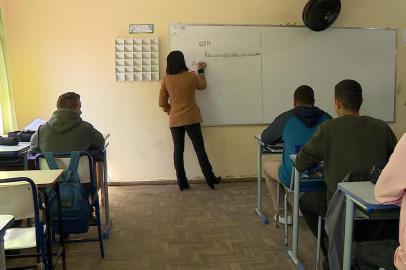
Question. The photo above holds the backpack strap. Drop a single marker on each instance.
(72, 172)
(50, 158)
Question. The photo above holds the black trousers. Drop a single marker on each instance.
(376, 254)
(314, 204)
(195, 134)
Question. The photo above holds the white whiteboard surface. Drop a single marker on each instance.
(253, 71)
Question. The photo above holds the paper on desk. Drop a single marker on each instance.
(34, 125)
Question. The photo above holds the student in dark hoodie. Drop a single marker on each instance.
(66, 131)
(294, 127)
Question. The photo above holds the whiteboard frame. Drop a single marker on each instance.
(298, 26)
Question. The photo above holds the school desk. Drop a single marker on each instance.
(43, 179)
(263, 149)
(318, 184)
(101, 160)
(11, 153)
(361, 195)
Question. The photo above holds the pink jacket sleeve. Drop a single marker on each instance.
(391, 184)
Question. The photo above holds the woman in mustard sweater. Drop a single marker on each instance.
(177, 99)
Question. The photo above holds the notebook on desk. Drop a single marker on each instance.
(275, 148)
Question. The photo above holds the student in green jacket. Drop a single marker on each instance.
(66, 131)
(346, 144)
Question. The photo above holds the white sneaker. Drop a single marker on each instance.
(282, 219)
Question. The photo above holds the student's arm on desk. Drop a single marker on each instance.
(391, 184)
(273, 133)
(311, 153)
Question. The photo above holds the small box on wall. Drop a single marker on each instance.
(140, 28)
(137, 59)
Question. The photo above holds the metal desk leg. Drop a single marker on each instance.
(61, 232)
(293, 252)
(25, 161)
(349, 222)
(106, 233)
(258, 210)
(48, 235)
(2, 255)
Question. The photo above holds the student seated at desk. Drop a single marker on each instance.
(66, 131)
(349, 143)
(390, 189)
(294, 127)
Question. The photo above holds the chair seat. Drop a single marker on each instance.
(312, 185)
(308, 185)
(20, 238)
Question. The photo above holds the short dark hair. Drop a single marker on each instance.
(304, 94)
(349, 93)
(175, 63)
(67, 100)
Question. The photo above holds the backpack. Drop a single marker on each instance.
(22, 136)
(75, 207)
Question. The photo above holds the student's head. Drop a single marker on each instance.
(175, 63)
(69, 100)
(304, 95)
(348, 97)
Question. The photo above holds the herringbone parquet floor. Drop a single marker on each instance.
(159, 227)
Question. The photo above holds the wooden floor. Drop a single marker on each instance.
(159, 227)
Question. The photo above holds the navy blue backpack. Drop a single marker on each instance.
(75, 205)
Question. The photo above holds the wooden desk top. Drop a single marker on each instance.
(14, 149)
(362, 193)
(40, 177)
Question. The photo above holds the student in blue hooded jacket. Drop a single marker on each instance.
(294, 127)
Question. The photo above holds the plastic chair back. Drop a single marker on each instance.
(84, 172)
(17, 200)
(23, 189)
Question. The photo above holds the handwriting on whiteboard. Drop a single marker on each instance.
(208, 55)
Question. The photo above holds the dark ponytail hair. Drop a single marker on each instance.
(175, 63)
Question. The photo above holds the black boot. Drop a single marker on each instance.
(183, 184)
(210, 183)
(217, 180)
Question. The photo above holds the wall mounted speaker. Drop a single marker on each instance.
(318, 15)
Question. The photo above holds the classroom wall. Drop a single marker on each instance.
(65, 45)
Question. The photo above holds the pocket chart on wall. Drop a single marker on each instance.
(252, 71)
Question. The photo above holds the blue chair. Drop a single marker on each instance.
(87, 177)
(22, 202)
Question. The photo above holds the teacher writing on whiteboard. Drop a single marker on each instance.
(177, 99)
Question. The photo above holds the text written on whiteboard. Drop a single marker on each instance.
(230, 54)
(205, 43)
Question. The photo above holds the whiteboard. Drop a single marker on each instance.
(253, 71)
